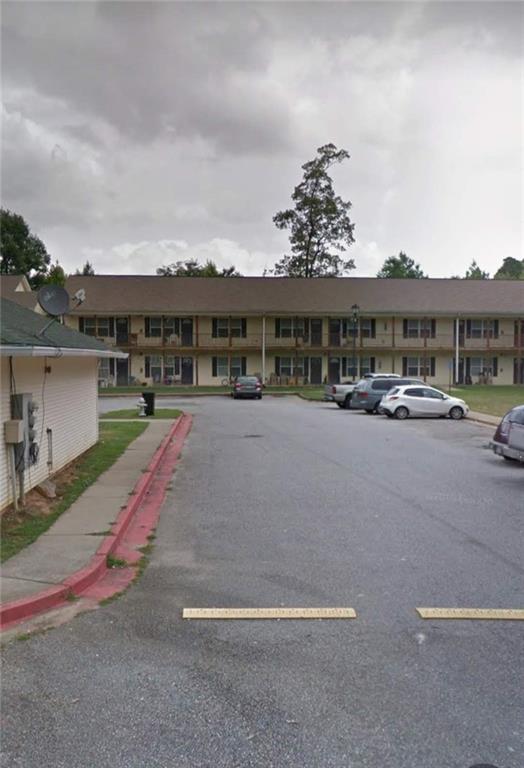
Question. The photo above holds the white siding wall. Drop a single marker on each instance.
(68, 407)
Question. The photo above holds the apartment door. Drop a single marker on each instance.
(187, 370)
(315, 370)
(122, 330)
(316, 333)
(334, 333)
(122, 371)
(187, 336)
(334, 370)
(518, 371)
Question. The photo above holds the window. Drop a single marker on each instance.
(367, 365)
(222, 368)
(97, 326)
(416, 328)
(367, 328)
(153, 327)
(220, 328)
(432, 394)
(171, 366)
(383, 385)
(89, 326)
(290, 327)
(290, 366)
(236, 367)
(418, 366)
(476, 331)
(350, 367)
(171, 326)
(482, 329)
(153, 368)
(103, 368)
(103, 326)
(238, 327)
(415, 392)
(286, 329)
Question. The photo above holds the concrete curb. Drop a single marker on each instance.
(79, 581)
(165, 394)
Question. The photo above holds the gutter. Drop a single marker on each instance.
(22, 351)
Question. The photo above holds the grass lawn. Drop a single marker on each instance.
(163, 389)
(132, 413)
(494, 400)
(311, 392)
(20, 530)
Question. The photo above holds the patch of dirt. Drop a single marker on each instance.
(37, 505)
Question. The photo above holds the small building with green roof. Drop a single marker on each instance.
(57, 369)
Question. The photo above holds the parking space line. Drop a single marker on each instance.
(269, 613)
(499, 614)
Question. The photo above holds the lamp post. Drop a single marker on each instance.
(355, 309)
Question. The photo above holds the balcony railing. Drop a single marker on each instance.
(342, 344)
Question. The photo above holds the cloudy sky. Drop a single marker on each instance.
(137, 134)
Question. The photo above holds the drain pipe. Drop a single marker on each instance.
(457, 350)
(13, 477)
(49, 447)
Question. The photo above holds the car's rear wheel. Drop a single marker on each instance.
(456, 413)
(401, 413)
(347, 402)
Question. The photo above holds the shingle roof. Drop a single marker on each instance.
(139, 294)
(21, 327)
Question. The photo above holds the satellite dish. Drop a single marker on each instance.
(54, 300)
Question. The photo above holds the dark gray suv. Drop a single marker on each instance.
(368, 392)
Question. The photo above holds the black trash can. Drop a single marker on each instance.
(149, 397)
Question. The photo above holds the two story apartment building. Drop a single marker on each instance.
(207, 330)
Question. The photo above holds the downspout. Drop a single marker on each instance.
(457, 350)
(263, 349)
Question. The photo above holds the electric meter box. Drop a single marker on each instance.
(14, 431)
(24, 409)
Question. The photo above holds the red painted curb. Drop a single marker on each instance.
(77, 582)
(27, 606)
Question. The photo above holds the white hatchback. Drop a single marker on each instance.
(410, 400)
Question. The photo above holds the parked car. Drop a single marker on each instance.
(499, 444)
(369, 392)
(516, 440)
(247, 386)
(404, 401)
(341, 393)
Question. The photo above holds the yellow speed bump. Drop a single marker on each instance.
(499, 614)
(269, 613)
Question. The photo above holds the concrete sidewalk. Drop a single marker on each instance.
(485, 418)
(77, 534)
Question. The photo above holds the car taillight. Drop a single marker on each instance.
(393, 397)
(333, 390)
(363, 394)
(237, 385)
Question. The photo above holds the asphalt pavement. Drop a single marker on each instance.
(290, 503)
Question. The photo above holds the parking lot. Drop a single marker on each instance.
(287, 503)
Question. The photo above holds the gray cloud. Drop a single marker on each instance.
(129, 123)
